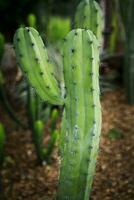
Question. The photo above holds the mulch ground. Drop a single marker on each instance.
(23, 179)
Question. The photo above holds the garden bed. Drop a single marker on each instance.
(23, 179)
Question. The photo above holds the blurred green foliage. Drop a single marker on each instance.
(13, 13)
(115, 34)
(2, 43)
(115, 134)
(123, 6)
(31, 20)
(58, 28)
(2, 143)
(1, 79)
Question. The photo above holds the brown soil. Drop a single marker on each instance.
(23, 179)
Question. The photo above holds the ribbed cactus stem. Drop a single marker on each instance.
(33, 59)
(83, 115)
(89, 16)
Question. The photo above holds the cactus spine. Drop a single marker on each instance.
(89, 16)
(82, 117)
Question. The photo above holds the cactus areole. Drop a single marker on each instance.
(81, 125)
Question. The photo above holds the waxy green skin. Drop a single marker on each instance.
(83, 115)
(33, 60)
(89, 16)
(81, 124)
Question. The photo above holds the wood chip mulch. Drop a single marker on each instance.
(23, 179)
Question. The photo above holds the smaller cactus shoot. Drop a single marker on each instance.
(33, 59)
(89, 16)
(31, 20)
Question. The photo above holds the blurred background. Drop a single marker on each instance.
(30, 128)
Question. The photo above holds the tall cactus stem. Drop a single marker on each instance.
(83, 115)
(89, 16)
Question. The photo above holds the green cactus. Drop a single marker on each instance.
(115, 33)
(83, 115)
(81, 122)
(89, 16)
(36, 125)
(33, 106)
(38, 135)
(43, 152)
(30, 51)
(32, 21)
(2, 143)
(38, 128)
(54, 117)
(58, 28)
(49, 148)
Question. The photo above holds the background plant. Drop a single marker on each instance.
(2, 143)
(127, 17)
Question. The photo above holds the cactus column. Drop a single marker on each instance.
(83, 115)
(89, 16)
(33, 60)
